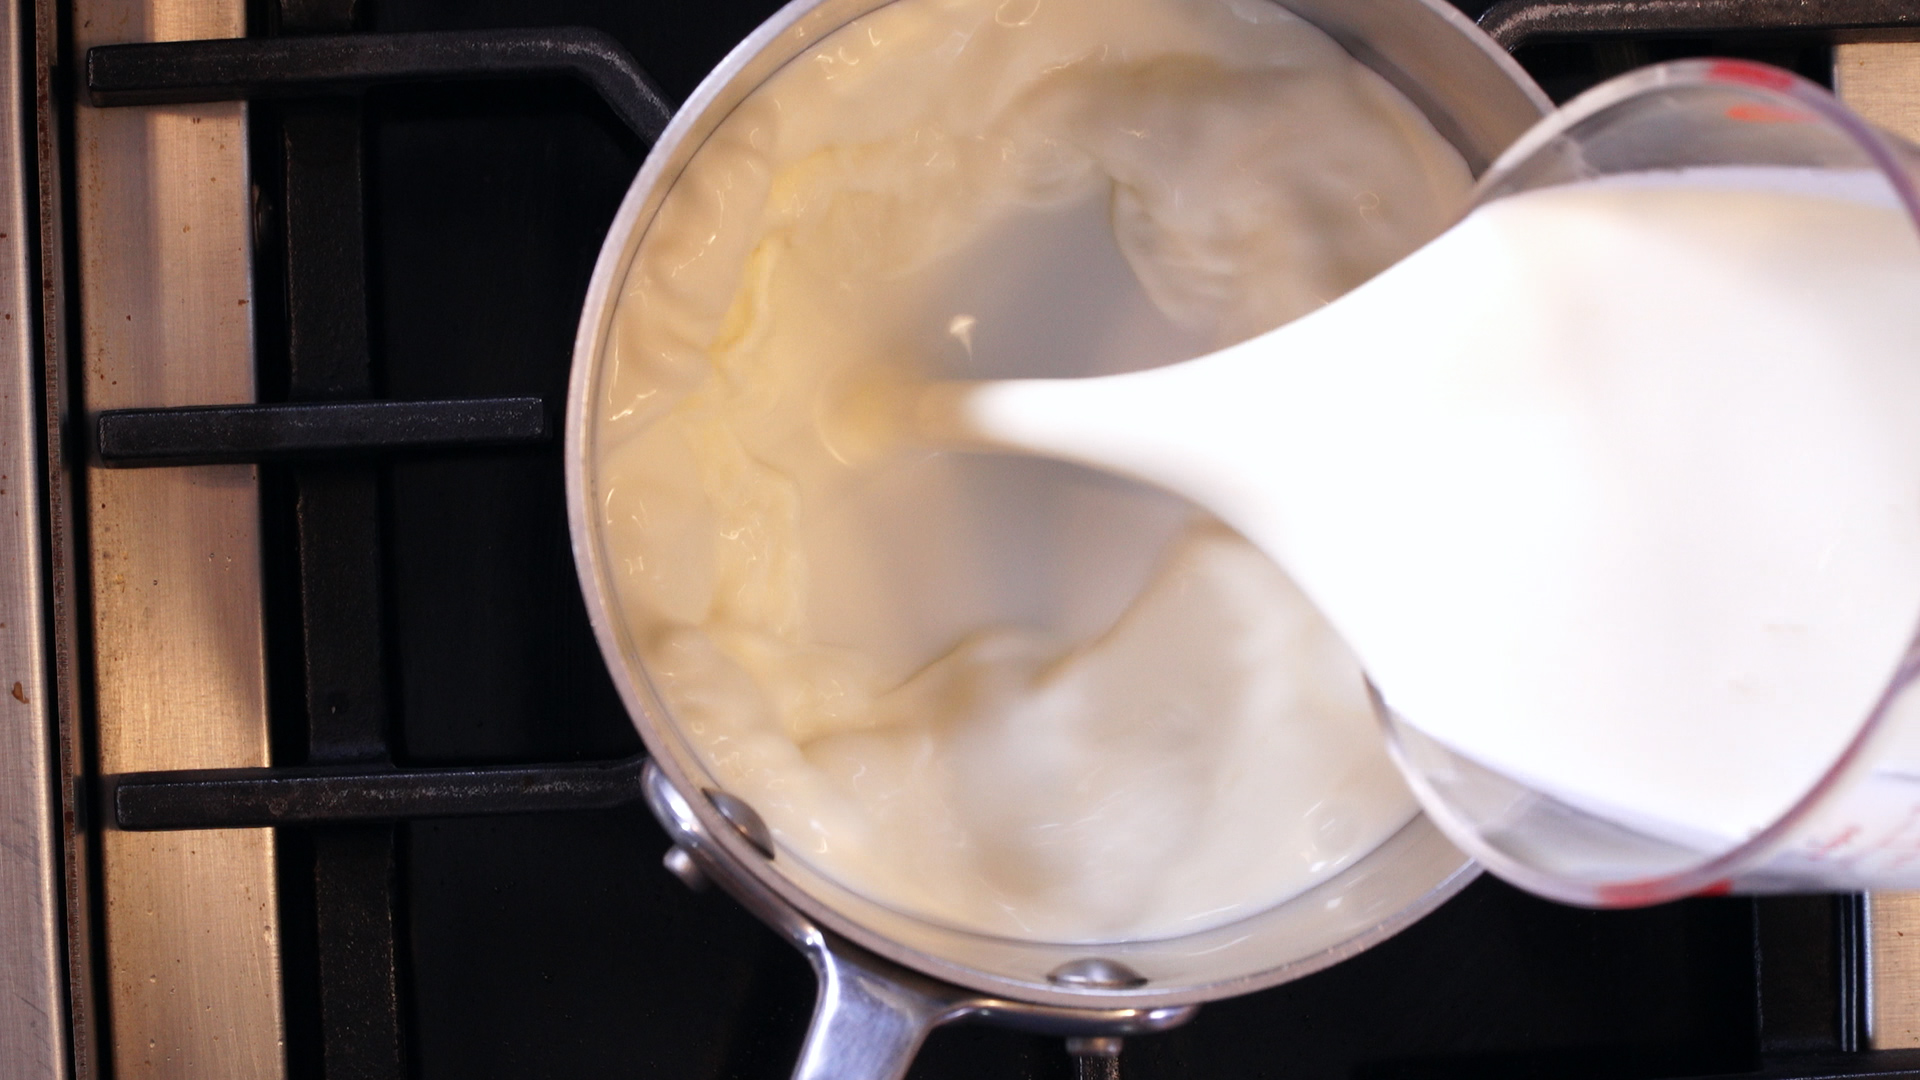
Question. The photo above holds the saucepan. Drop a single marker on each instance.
(886, 977)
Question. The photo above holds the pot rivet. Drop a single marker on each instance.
(1095, 973)
(744, 819)
(681, 865)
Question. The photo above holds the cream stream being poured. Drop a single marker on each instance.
(1615, 487)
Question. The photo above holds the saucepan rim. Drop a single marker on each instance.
(786, 35)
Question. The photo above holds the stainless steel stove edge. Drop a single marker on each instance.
(167, 568)
(34, 1028)
(1881, 81)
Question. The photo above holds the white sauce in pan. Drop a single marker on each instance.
(1009, 695)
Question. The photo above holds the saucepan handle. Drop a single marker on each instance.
(871, 1015)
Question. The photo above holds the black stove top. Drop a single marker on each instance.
(554, 945)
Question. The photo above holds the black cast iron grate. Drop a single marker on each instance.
(350, 788)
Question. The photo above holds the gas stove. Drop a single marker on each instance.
(315, 770)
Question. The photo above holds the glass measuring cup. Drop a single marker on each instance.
(1858, 827)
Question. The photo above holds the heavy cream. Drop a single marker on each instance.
(1615, 487)
(1011, 695)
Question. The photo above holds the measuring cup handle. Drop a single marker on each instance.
(871, 1015)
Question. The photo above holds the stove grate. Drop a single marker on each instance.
(236, 434)
(1514, 23)
(326, 65)
(263, 798)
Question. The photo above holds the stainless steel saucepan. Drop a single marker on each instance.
(887, 978)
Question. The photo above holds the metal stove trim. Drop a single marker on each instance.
(1881, 81)
(190, 923)
(33, 1024)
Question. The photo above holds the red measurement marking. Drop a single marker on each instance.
(1826, 848)
(1631, 894)
(1742, 71)
(1754, 112)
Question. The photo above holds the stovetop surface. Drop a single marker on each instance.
(556, 946)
